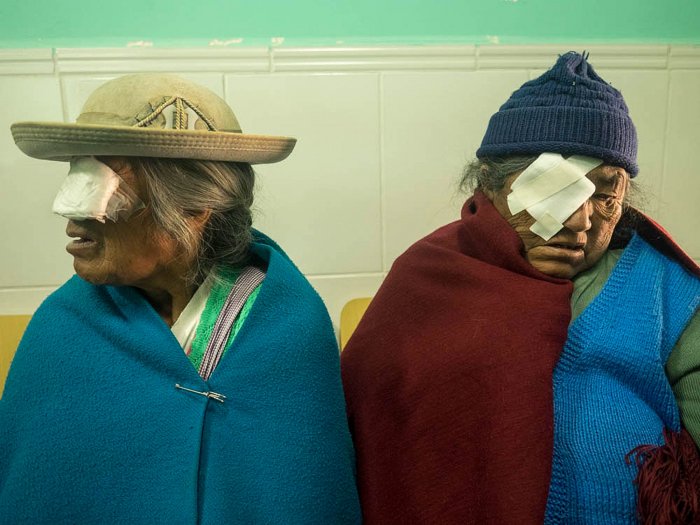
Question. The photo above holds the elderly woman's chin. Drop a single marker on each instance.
(93, 272)
(111, 263)
(87, 262)
(560, 261)
(93, 267)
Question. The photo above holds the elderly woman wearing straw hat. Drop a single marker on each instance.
(189, 372)
(538, 359)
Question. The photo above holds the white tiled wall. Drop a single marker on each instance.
(432, 123)
(322, 204)
(384, 133)
(32, 253)
(679, 210)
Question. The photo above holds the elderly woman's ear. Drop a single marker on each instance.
(196, 225)
(200, 220)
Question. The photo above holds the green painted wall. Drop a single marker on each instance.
(97, 23)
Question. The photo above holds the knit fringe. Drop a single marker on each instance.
(668, 480)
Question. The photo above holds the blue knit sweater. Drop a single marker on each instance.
(611, 393)
(93, 429)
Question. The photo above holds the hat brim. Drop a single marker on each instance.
(60, 141)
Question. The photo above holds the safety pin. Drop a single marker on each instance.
(211, 395)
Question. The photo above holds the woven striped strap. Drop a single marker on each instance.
(247, 281)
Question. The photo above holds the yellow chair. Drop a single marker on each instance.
(11, 329)
(350, 317)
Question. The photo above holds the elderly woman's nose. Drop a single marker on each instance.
(580, 220)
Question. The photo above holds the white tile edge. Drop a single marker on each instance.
(15, 55)
(357, 58)
(684, 57)
(331, 276)
(26, 61)
(603, 56)
(141, 59)
(23, 301)
(155, 53)
(373, 58)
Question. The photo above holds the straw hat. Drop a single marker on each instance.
(151, 115)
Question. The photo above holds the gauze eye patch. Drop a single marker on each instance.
(551, 189)
(92, 190)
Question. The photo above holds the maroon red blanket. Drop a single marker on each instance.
(448, 378)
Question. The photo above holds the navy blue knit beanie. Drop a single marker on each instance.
(568, 110)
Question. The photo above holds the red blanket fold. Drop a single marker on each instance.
(448, 379)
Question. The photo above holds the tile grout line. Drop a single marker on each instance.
(61, 85)
(28, 289)
(331, 276)
(667, 123)
(382, 200)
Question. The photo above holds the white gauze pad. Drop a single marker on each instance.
(551, 189)
(92, 190)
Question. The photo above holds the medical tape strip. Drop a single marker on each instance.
(545, 225)
(92, 190)
(551, 189)
(543, 164)
(542, 186)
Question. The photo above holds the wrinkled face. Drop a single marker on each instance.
(132, 252)
(586, 234)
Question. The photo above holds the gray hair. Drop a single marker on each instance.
(182, 188)
(491, 174)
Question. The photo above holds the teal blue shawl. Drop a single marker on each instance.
(93, 429)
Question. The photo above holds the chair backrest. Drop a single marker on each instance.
(350, 317)
(11, 329)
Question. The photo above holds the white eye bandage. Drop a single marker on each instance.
(92, 190)
(551, 189)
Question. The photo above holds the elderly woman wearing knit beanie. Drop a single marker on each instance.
(536, 360)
